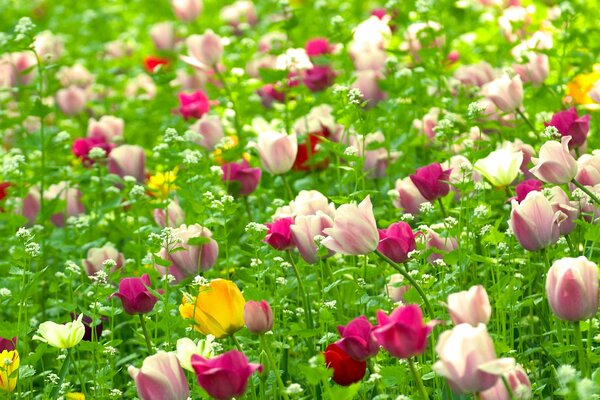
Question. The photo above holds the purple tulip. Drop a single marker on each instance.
(279, 235)
(432, 181)
(358, 340)
(397, 241)
(569, 123)
(135, 296)
(242, 174)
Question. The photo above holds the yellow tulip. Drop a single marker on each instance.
(218, 309)
(9, 364)
(579, 88)
(162, 183)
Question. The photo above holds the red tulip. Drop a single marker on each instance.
(346, 371)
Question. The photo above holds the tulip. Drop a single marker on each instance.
(279, 234)
(358, 340)
(31, 205)
(346, 370)
(416, 32)
(160, 378)
(206, 48)
(318, 47)
(500, 167)
(467, 359)
(477, 74)
(210, 130)
(396, 241)
(471, 307)
(258, 316)
(226, 376)
(434, 241)
(367, 83)
(534, 222)
(128, 160)
(191, 258)
(72, 198)
(163, 36)
(556, 164)
(96, 256)
(569, 123)
(528, 185)
(9, 367)
(60, 336)
(77, 75)
(561, 202)
(175, 213)
(243, 175)
(218, 309)
(310, 202)
(187, 10)
(91, 332)
(277, 151)
(394, 290)
(193, 105)
(81, 148)
(71, 100)
(135, 296)
(505, 93)
(304, 230)
(152, 63)
(409, 198)
(535, 70)
(239, 12)
(572, 288)
(140, 87)
(354, 229)
(429, 121)
(186, 348)
(48, 46)
(589, 170)
(269, 94)
(519, 384)
(8, 344)
(318, 78)
(402, 333)
(431, 181)
(107, 127)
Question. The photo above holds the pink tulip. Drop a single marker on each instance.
(174, 212)
(187, 10)
(135, 296)
(528, 185)
(48, 46)
(310, 202)
(561, 202)
(71, 100)
(395, 290)
(243, 175)
(505, 93)
(569, 123)
(194, 257)
(82, 146)
(354, 229)
(534, 222)
(358, 340)
(226, 376)
(535, 70)
(471, 307)
(397, 241)
(71, 196)
(160, 378)
(318, 78)
(425, 126)
(76, 75)
(107, 127)
(242, 11)
(467, 359)
(128, 160)
(304, 230)
(519, 384)
(206, 48)
(279, 234)
(210, 130)
(96, 256)
(258, 316)
(31, 205)
(367, 82)
(588, 170)
(572, 288)
(318, 47)
(432, 181)
(193, 105)
(434, 241)
(409, 198)
(402, 333)
(477, 74)
(555, 164)
(277, 151)
(163, 36)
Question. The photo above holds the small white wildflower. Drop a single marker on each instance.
(137, 191)
(191, 157)
(168, 277)
(426, 208)
(110, 351)
(403, 397)
(216, 170)
(53, 378)
(97, 153)
(99, 277)
(159, 148)
(109, 263)
(255, 227)
(115, 393)
(439, 262)
(255, 262)
(237, 72)
(73, 268)
(485, 229)
(337, 20)
(129, 179)
(502, 247)
(24, 233)
(4, 292)
(551, 133)
(565, 374)
(355, 96)
(361, 283)
(278, 202)
(281, 281)
(200, 281)
(475, 109)
(60, 275)
(339, 89)
(23, 28)
(451, 221)
(330, 304)
(294, 388)
(374, 378)
(62, 136)
(393, 194)
(480, 211)
(586, 389)
(33, 249)
(579, 194)
(285, 265)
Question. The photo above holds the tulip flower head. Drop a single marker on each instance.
(358, 340)
(397, 241)
(160, 378)
(258, 316)
(569, 123)
(193, 105)
(555, 164)
(135, 296)
(9, 367)
(346, 370)
(279, 234)
(432, 181)
(528, 185)
(242, 179)
(471, 307)
(501, 166)
(277, 151)
(61, 336)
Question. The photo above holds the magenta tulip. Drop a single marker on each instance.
(193, 105)
(397, 241)
(358, 340)
(569, 123)
(243, 175)
(528, 185)
(279, 234)
(432, 181)
(135, 296)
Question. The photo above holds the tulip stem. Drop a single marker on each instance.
(526, 120)
(288, 189)
(441, 203)
(413, 369)
(586, 191)
(236, 117)
(61, 375)
(580, 353)
(302, 292)
(414, 283)
(145, 332)
(267, 350)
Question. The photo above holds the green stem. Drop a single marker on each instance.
(288, 189)
(302, 291)
(441, 203)
(526, 120)
(145, 331)
(267, 351)
(586, 191)
(580, 353)
(422, 390)
(61, 375)
(414, 283)
(570, 244)
(236, 117)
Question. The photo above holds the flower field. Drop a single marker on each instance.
(299, 199)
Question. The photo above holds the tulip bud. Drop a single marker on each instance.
(71, 100)
(556, 164)
(432, 181)
(247, 178)
(477, 74)
(505, 93)
(589, 170)
(310, 202)
(258, 316)
(500, 167)
(536, 69)
(96, 257)
(135, 296)
(277, 151)
(318, 47)
(304, 229)
(435, 241)
(358, 340)
(572, 288)
(519, 384)
(397, 241)
(471, 307)
(161, 377)
(404, 322)
(561, 202)
(279, 235)
(318, 78)
(569, 123)
(176, 215)
(128, 160)
(187, 10)
(394, 290)
(409, 198)
(108, 128)
(193, 258)
(72, 198)
(206, 48)
(163, 36)
(210, 130)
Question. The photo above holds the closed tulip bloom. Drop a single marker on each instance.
(71, 100)
(402, 333)
(193, 105)
(226, 376)
(310, 202)
(569, 123)
(318, 47)
(534, 222)
(210, 130)
(561, 202)
(61, 336)
(467, 359)
(555, 164)
(128, 160)
(395, 289)
(277, 151)
(346, 370)
(572, 288)
(108, 127)
(505, 93)
(358, 340)
(432, 181)
(71, 196)
(519, 384)
(534, 70)
(218, 309)
(186, 348)
(8, 344)
(279, 234)
(367, 81)
(245, 177)
(477, 74)
(589, 169)
(471, 307)
(163, 36)
(318, 78)
(258, 316)
(96, 256)
(160, 378)
(397, 241)
(409, 198)
(187, 10)
(135, 296)
(9, 367)
(528, 185)
(434, 241)
(206, 48)
(354, 229)
(172, 216)
(194, 257)
(501, 166)
(304, 230)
